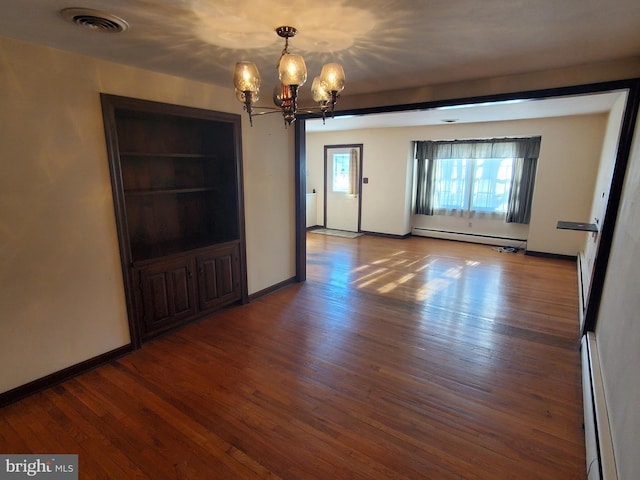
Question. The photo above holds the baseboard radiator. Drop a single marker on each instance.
(582, 297)
(599, 446)
(469, 237)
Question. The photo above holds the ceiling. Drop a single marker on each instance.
(382, 44)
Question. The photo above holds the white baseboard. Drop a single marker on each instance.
(581, 290)
(470, 237)
(601, 464)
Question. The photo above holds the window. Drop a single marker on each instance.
(491, 184)
(450, 182)
(480, 185)
(341, 162)
(487, 176)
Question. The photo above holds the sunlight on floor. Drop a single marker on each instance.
(370, 278)
(425, 275)
(392, 285)
(430, 288)
(455, 272)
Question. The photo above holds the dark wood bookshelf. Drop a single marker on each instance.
(177, 182)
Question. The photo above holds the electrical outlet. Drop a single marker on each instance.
(470, 224)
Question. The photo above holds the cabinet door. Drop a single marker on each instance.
(219, 277)
(168, 294)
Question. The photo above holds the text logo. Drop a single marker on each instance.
(49, 467)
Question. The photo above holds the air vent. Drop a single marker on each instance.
(95, 20)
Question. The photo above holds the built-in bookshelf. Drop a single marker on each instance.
(177, 182)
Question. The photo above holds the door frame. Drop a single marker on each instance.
(625, 139)
(360, 148)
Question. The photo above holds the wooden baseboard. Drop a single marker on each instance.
(271, 289)
(60, 376)
(387, 235)
(557, 256)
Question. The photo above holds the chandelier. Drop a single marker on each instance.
(292, 73)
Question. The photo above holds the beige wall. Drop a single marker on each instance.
(618, 328)
(386, 161)
(567, 169)
(601, 190)
(61, 289)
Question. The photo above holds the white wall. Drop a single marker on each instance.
(61, 288)
(567, 169)
(618, 327)
(269, 201)
(385, 163)
(602, 187)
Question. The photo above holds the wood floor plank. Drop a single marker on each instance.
(396, 359)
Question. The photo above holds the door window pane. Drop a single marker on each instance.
(341, 172)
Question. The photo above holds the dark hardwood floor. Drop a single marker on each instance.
(415, 358)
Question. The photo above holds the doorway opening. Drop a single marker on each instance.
(527, 99)
(342, 193)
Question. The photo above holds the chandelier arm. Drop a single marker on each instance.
(259, 110)
(320, 110)
(265, 110)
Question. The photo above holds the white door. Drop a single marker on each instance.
(342, 187)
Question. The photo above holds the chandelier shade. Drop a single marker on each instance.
(292, 74)
(246, 77)
(318, 91)
(332, 77)
(292, 70)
